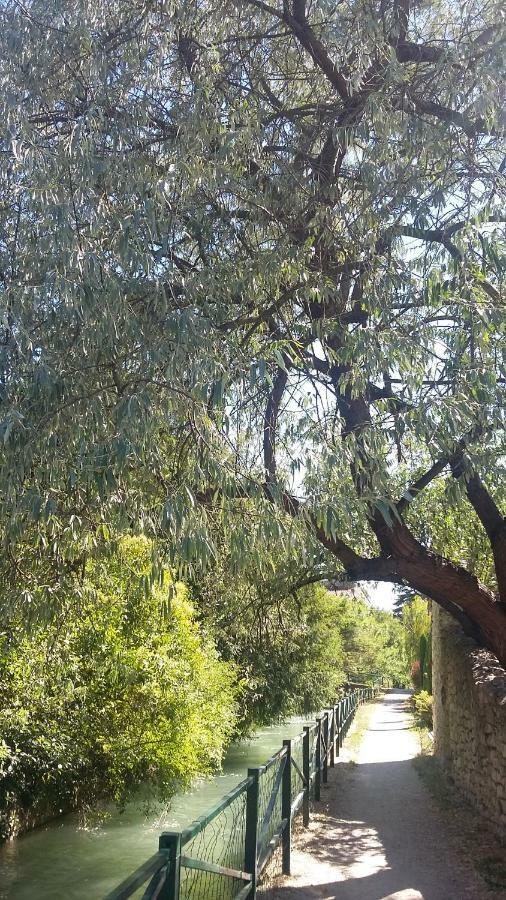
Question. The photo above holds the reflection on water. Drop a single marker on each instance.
(63, 860)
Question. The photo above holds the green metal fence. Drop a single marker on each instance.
(221, 856)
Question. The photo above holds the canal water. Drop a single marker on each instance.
(63, 861)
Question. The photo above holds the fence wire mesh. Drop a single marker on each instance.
(220, 842)
(269, 804)
(271, 876)
(297, 783)
(313, 747)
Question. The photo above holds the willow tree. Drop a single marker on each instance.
(251, 280)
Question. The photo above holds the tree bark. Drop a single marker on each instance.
(450, 585)
(442, 581)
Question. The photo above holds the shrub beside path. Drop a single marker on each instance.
(377, 834)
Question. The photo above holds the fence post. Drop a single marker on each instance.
(306, 771)
(325, 748)
(338, 728)
(286, 807)
(333, 738)
(318, 760)
(251, 838)
(171, 841)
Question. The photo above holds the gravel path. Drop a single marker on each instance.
(377, 834)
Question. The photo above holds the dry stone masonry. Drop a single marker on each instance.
(469, 688)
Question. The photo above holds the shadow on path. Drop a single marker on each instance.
(378, 835)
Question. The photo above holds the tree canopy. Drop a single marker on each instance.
(251, 261)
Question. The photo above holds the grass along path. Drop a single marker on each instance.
(351, 748)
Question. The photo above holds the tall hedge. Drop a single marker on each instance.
(119, 691)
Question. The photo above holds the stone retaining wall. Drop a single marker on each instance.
(469, 687)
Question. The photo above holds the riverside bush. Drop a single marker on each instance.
(110, 696)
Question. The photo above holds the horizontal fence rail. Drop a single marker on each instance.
(222, 854)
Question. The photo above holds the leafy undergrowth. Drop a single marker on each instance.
(480, 851)
(421, 703)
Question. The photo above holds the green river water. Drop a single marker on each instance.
(63, 861)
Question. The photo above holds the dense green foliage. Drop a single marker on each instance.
(132, 685)
(454, 535)
(416, 624)
(373, 642)
(109, 696)
(295, 649)
(288, 649)
(251, 274)
(254, 250)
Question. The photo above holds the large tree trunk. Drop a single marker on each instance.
(453, 587)
(458, 592)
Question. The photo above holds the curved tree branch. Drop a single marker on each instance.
(270, 423)
(297, 21)
(490, 517)
(452, 116)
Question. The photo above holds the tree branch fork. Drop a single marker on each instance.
(403, 559)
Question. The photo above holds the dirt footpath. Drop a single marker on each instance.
(377, 835)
